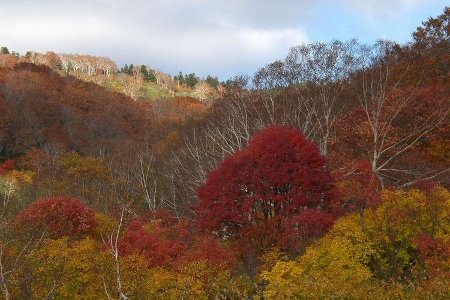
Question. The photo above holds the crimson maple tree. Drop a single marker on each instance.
(269, 186)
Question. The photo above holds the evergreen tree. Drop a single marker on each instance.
(4, 50)
(147, 74)
(130, 69)
(179, 78)
(212, 81)
(191, 80)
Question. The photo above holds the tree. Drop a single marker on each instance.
(112, 244)
(393, 118)
(191, 80)
(179, 78)
(58, 216)
(212, 81)
(265, 188)
(434, 30)
(204, 91)
(313, 77)
(404, 227)
(335, 265)
(358, 188)
(87, 178)
(4, 50)
(147, 74)
(406, 238)
(14, 248)
(62, 269)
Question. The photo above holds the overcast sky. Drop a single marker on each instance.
(215, 37)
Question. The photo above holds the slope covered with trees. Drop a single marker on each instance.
(323, 176)
(138, 82)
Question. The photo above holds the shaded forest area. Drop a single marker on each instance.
(324, 175)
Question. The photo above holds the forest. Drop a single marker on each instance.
(325, 175)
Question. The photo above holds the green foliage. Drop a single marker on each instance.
(190, 80)
(4, 50)
(148, 74)
(179, 78)
(212, 81)
(127, 69)
(153, 91)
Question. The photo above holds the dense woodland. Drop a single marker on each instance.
(325, 175)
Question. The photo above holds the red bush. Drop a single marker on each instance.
(59, 216)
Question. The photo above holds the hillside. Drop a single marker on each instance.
(137, 82)
(40, 108)
(325, 175)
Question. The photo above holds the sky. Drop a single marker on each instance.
(209, 37)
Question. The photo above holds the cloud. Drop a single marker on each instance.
(191, 35)
(215, 37)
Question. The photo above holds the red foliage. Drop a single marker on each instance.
(164, 244)
(64, 112)
(208, 249)
(163, 216)
(157, 249)
(358, 187)
(435, 253)
(35, 160)
(308, 225)
(269, 183)
(59, 216)
(7, 166)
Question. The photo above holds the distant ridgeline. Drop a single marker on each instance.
(138, 82)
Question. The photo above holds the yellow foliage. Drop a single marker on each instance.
(195, 280)
(339, 265)
(84, 177)
(270, 258)
(440, 150)
(105, 225)
(13, 188)
(335, 264)
(134, 276)
(69, 271)
(24, 177)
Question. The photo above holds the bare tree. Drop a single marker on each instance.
(112, 243)
(384, 101)
(319, 72)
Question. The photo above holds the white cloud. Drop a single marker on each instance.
(192, 35)
(219, 37)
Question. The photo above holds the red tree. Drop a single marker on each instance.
(7, 166)
(158, 248)
(267, 187)
(173, 244)
(358, 187)
(59, 216)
